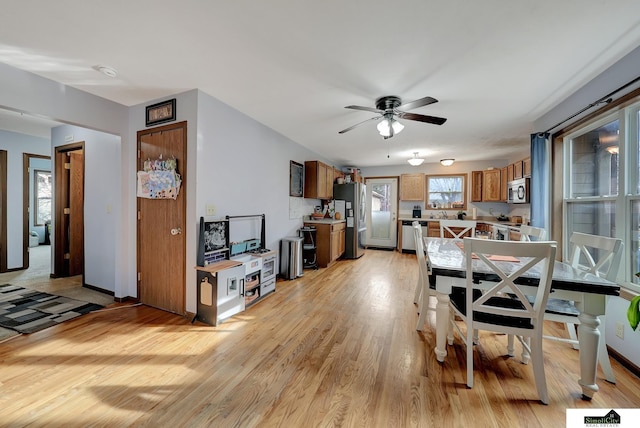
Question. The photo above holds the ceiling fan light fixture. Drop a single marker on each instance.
(447, 162)
(415, 160)
(397, 127)
(384, 128)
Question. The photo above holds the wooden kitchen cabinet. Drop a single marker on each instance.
(433, 229)
(491, 185)
(504, 185)
(510, 172)
(486, 185)
(526, 167)
(318, 180)
(412, 187)
(517, 170)
(476, 186)
(330, 241)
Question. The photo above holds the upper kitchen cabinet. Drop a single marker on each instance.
(504, 184)
(412, 187)
(318, 180)
(517, 170)
(486, 186)
(526, 167)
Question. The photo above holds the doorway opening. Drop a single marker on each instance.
(382, 203)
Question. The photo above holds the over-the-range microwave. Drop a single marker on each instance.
(519, 191)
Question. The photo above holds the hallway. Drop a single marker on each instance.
(37, 277)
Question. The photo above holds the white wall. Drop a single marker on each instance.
(16, 145)
(102, 172)
(28, 93)
(617, 75)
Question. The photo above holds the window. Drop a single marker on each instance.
(447, 191)
(42, 183)
(602, 188)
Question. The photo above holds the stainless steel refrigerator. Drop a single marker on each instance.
(355, 196)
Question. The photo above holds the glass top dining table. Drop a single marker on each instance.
(447, 268)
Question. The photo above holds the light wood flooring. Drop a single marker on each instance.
(337, 347)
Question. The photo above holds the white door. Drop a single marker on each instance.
(382, 207)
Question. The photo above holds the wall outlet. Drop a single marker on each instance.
(620, 330)
(211, 210)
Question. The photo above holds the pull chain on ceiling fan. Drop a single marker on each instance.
(388, 109)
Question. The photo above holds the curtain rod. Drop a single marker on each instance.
(604, 100)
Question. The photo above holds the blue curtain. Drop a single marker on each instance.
(540, 192)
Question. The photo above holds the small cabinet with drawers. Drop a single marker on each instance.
(330, 237)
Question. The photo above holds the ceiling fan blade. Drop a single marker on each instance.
(358, 124)
(418, 103)
(371, 109)
(422, 118)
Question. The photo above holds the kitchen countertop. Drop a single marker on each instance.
(324, 221)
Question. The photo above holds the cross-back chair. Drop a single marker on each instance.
(503, 307)
(527, 232)
(423, 290)
(600, 256)
(456, 229)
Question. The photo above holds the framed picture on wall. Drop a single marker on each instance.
(161, 112)
(296, 179)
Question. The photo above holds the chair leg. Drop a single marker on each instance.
(469, 343)
(603, 354)
(571, 329)
(452, 318)
(424, 306)
(416, 295)
(510, 348)
(525, 356)
(538, 369)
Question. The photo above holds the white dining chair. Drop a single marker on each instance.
(600, 256)
(527, 232)
(456, 229)
(423, 290)
(503, 307)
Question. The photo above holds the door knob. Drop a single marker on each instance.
(176, 231)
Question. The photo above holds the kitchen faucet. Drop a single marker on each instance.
(444, 214)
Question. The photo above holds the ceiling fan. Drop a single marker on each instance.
(388, 109)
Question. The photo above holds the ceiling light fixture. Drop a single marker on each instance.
(447, 162)
(388, 126)
(107, 71)
(415, 160)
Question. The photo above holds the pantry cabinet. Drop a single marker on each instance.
(412, 187)
(318, 180)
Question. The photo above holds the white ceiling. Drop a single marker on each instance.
(494, 65)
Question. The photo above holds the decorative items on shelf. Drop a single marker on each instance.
(159, 179)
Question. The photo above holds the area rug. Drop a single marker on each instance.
(28, 311)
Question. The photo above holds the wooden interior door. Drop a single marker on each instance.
(3, 210)
(76, 213)
(69, 211)
(161, 225)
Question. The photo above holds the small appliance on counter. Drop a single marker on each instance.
(417, 212)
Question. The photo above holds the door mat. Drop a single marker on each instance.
(28, 311)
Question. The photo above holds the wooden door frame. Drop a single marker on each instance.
(26, 190)
(60, 268)
(3, 211)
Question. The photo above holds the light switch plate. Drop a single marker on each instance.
(211, 210)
